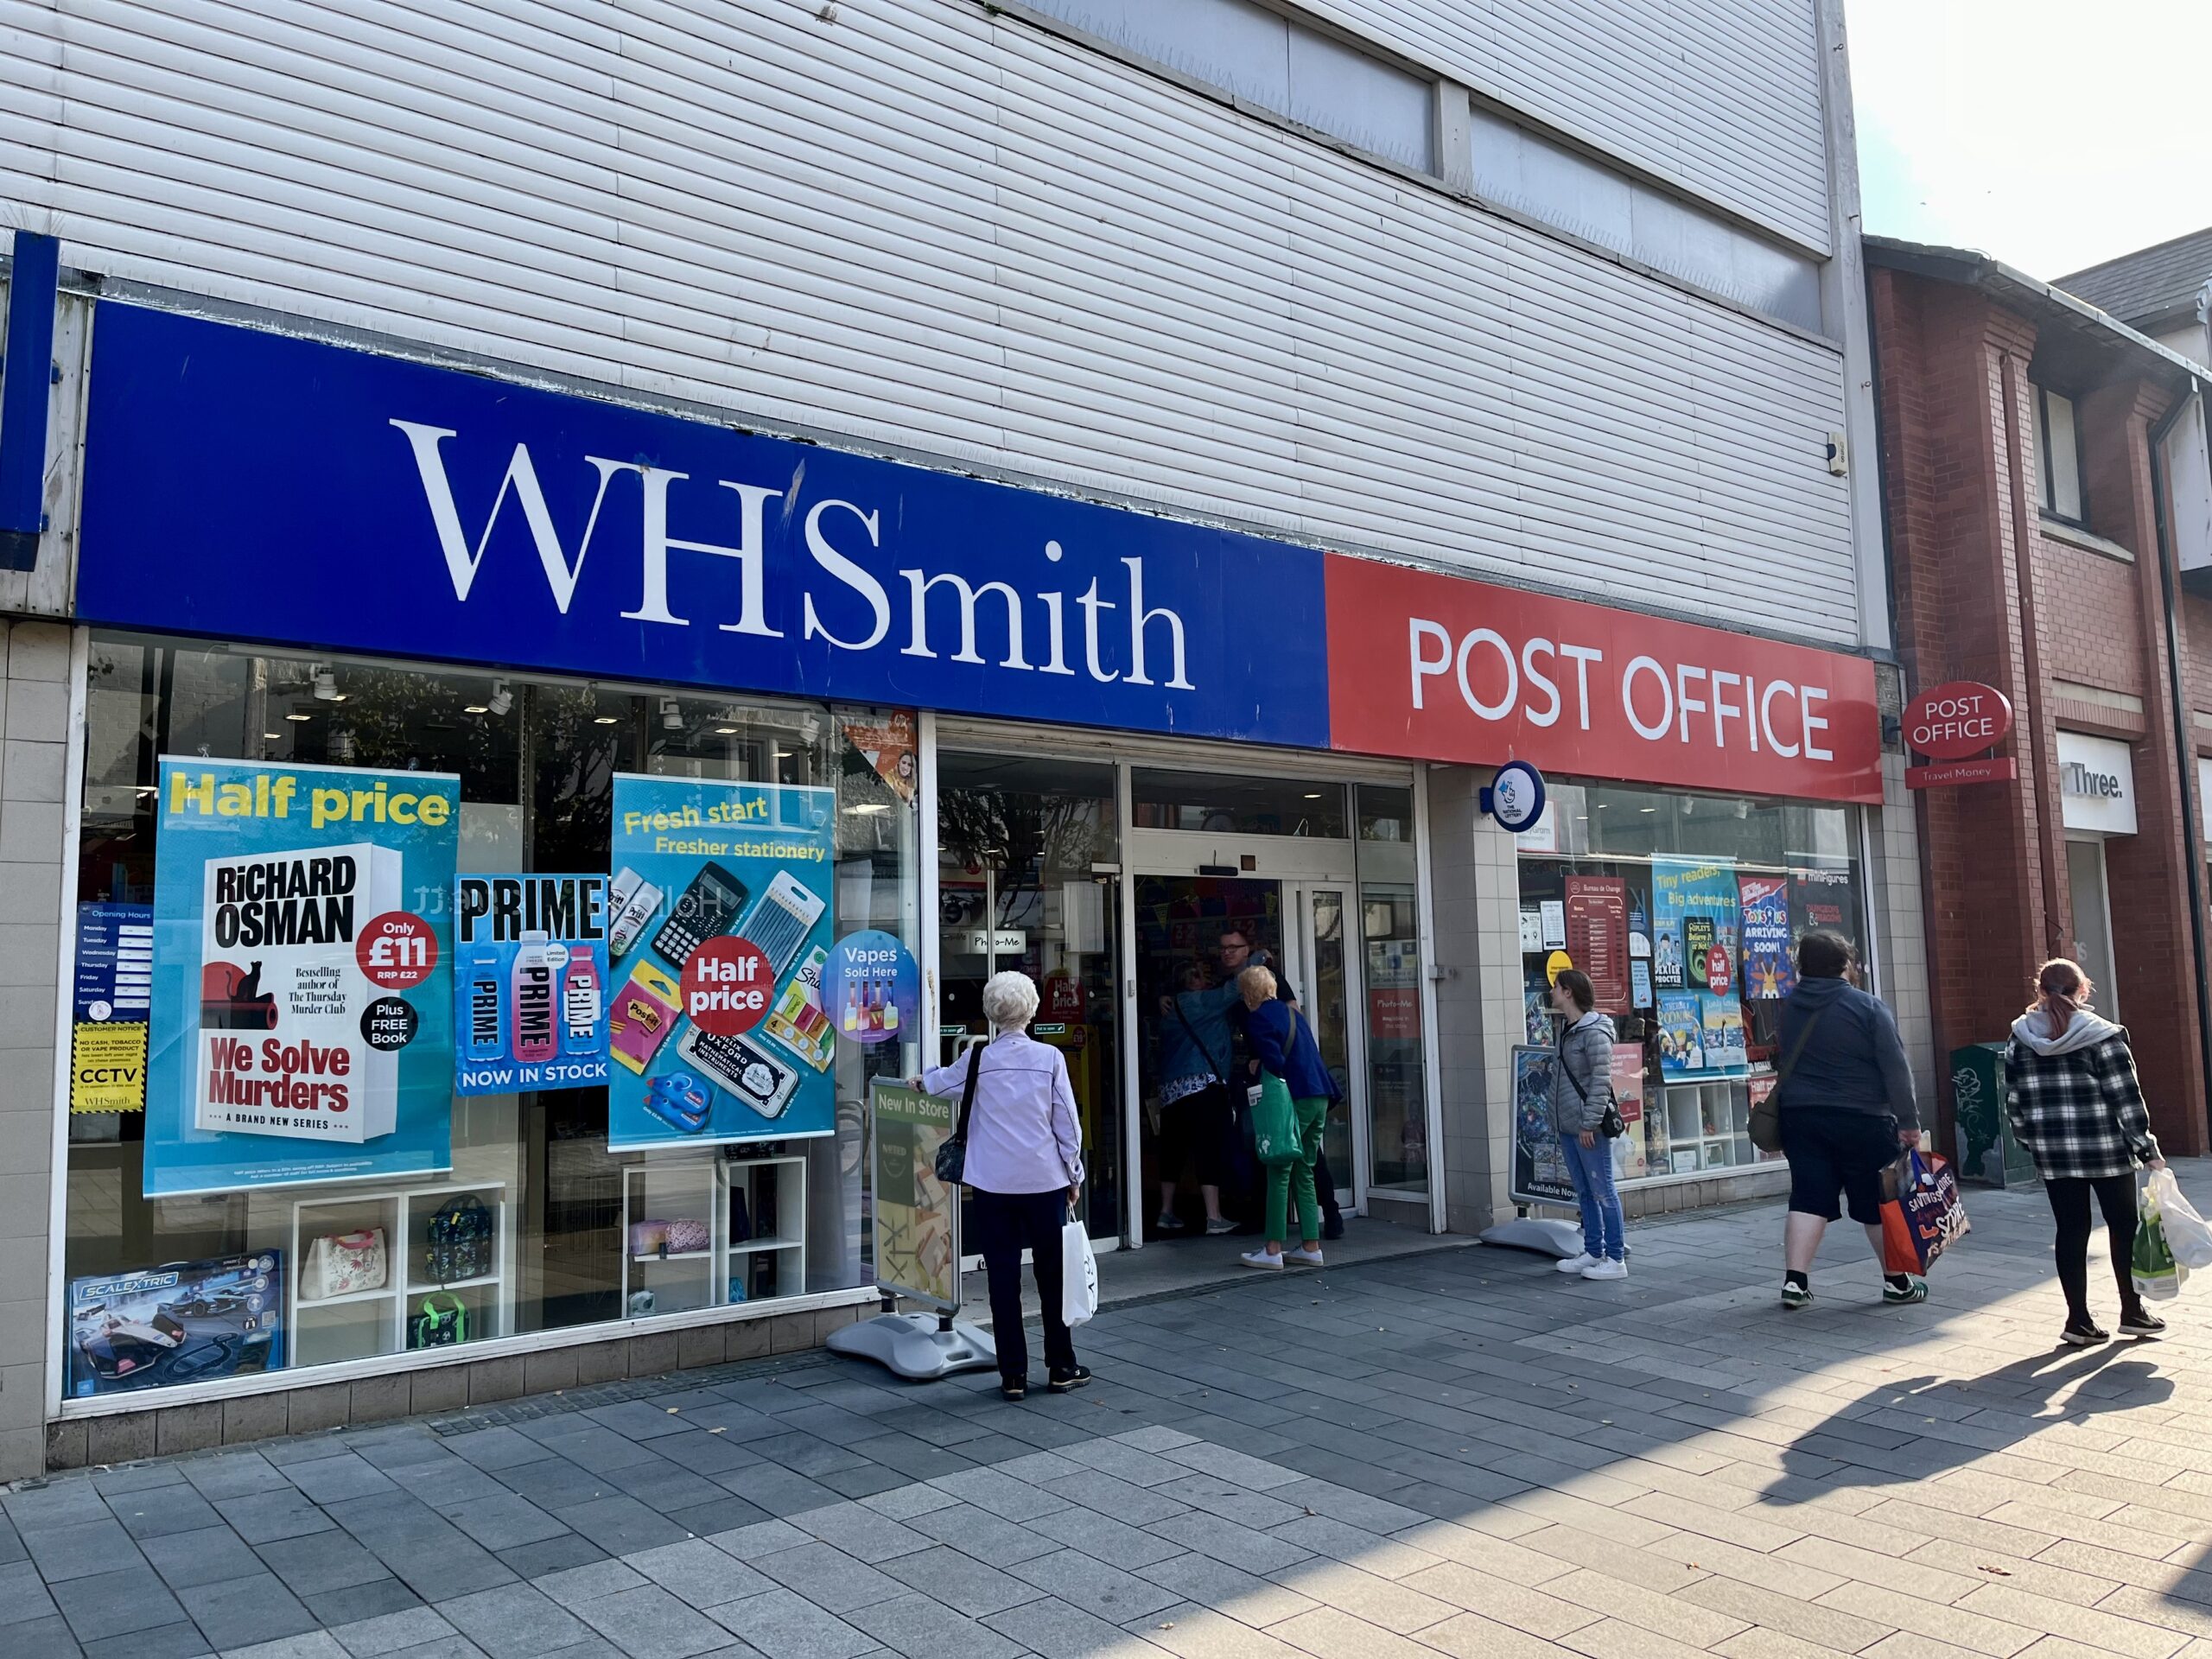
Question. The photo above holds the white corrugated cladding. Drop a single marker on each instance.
(1722, 97)
(921, 227)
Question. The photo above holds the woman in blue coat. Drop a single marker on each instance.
(1281, 1040)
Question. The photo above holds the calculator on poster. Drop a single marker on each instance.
(707, 909)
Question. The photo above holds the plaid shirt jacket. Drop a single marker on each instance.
(2081, 1115)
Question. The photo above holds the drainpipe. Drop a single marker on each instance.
(2184, 744)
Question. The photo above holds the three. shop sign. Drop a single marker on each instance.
(1955, 725)
(258, 487)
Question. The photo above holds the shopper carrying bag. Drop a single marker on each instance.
(1022, 1155)
(2075, 1104)
(1291, 1074)
(1582, 1108)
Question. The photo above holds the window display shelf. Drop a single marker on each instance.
(740, 1194)
(753, 1244)
(679, 1255)
(379, 1322)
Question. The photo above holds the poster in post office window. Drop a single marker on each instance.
(720, 924)
(302, 1007)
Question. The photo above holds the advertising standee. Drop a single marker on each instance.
(301, 1007)
(720, 930)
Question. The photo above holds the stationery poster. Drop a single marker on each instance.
(1768, 973)
(1696, 915)
(302, 1003)
(719, 908)
(1597, 937)
(529, 983)
(113, 998)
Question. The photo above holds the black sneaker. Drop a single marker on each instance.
(1068, 1382)
(2086, 1334)
(2142, 1322)
(1010, 1389)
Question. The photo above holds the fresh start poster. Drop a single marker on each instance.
(1697, 918)
(529, 983)
(719, 931)
(301, 1005)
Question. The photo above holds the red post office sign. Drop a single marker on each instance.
(1444, 668)
(1953, 721)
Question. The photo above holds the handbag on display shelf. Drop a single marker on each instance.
(340, 1264)
(689, 1236)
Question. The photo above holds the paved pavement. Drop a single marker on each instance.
(1457, 1453)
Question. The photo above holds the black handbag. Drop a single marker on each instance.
(952, 1156)
(1613, 1126)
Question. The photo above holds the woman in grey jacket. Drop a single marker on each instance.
(1582, 1087)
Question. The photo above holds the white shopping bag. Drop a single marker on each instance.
(1078, 1274)
(2188, 1235)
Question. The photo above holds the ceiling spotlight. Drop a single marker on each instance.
(270, 737)
(870, 806)
(606, 720)
(725, 731)
(671, 714)
(300, 713)
(502, 699)
(326, 685)
(475, 708)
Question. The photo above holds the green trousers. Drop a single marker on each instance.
(1297, 1176)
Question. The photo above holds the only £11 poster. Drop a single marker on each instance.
(302, 1010)
(720, 925)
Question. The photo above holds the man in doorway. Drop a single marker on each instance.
(1239, 949)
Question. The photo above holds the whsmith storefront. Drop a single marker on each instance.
(489, 811)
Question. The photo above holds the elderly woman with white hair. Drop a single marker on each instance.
(1025, 1164)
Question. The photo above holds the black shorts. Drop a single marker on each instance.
(1834, 1150)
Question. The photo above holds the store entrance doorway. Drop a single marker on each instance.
(1189, 1011)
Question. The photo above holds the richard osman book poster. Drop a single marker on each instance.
(302, 1009)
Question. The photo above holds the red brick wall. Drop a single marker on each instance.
(1982, 594)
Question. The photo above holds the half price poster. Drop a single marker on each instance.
(301, 1008)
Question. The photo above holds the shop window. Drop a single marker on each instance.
(2058, 443)
(524, 1213)
(1222, 804)
(1684, 911)
(1390, 935)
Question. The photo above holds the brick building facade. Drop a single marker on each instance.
(2044, 567)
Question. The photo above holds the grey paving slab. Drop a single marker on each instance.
(243, 1612)
(961, 1582)
(699, 1574)
(514, 1621)
(107, 1603)
(920, 1627)
(784, 1625)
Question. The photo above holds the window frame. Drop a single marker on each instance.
(2047, 460)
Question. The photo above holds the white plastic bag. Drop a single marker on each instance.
(2188, 1235)
(1078, 1274)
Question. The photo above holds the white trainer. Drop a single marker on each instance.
(1304, 1258)
(1576, 1263)
(1606, 1269)
(1262, 1260)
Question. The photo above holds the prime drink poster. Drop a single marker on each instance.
(529, 983)
(303, 1003)
(719, 924)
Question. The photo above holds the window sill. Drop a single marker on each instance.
(2074, 536)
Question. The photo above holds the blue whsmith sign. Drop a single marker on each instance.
(257, 487)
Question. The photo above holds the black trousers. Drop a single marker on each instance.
(2070, 1208)
(1195, 1130)
(1007, 1223)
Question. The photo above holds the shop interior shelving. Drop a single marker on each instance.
(768, 1261)
(1709, 1125)
(367, 1323)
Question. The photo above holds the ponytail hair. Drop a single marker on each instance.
(2063, 990)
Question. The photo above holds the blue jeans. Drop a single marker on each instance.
(1592, 1170)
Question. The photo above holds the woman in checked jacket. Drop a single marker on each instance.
(2075, 1105)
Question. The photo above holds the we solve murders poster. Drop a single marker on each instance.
(302, 1002)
